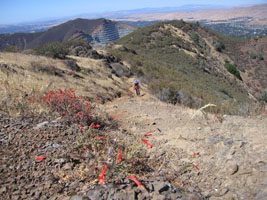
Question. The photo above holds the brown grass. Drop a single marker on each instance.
(32, 76)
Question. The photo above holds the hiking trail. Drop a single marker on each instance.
(224, 156)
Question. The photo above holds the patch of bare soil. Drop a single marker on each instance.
(223, 156)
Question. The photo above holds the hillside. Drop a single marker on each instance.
(185, 63)
(55, 131)
(99, 31)
(249, 55)
(123, 146)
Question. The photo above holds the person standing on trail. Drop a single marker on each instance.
(137, 87)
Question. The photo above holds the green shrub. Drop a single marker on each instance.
(263, 96)
(260, 56)
(253, 55)
(195, 37)
(219, 46)
(53, 50)
(226, 93)
(75, 43)
(226, 60)
(233, 70)
(12, 48)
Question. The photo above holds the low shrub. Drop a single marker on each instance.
(219, 46)
(263, 96)
(253, 55)
(260, 56)
(12, 49)
(233, 70)
(195, 37)
(72, 108)
(53, 50)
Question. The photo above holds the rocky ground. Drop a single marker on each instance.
(47, 158)
(194, 156)
(222, 156)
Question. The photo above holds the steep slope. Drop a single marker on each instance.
(21, 40)
(88, 76)
(99, 31)
(181, 63)
(250, 57)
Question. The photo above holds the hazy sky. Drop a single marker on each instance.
(14, 11)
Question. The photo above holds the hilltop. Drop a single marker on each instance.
(99, 31)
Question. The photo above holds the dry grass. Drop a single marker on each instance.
(24, 78)
(196, 112)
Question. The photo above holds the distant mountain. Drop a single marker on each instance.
(44, 24)
(216, 17)
(99, 31)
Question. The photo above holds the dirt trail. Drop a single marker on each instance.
(225, 157)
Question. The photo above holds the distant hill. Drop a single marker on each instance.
(238, 22)
(248, 21)
(186, 63)
(99, 31)
(256, 15)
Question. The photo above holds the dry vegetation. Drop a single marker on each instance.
(36, 91)
(185, 63)
(26, 75)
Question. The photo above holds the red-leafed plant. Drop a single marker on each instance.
(69, 106)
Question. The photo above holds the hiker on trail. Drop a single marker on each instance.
(137, 87)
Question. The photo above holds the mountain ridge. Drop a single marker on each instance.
(94, 31)
(185, 62)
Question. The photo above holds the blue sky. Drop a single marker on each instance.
(15, 11)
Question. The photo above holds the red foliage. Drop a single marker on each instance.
(67, 104)
(101, 177)
(40, 158)
(135, 180)
(95, 126)
(145, 142)
(119, 157)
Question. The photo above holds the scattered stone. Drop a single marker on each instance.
(221, 192)
(41, 125)
(76, 198)
(67, 166)
(3, 190)
(232, 168)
